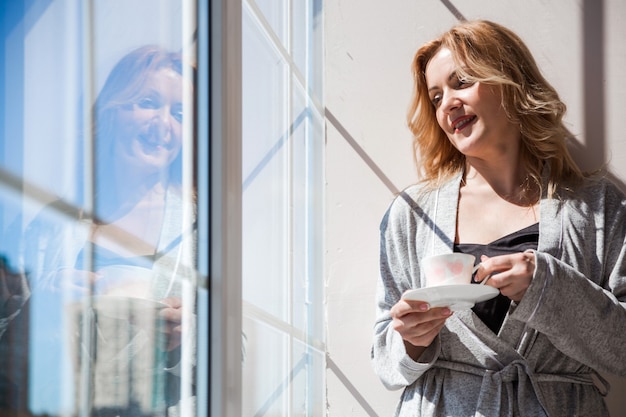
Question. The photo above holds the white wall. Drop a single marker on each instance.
(369, 45)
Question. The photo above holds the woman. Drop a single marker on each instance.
(498, 182)
(131, 255)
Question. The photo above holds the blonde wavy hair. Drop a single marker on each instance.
(491, 54)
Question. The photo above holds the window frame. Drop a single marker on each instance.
(225, 303)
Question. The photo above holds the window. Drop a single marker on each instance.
(282, 143)
(105, 191)
(102, 303)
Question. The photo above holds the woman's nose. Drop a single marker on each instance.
(162, 123)
(450, 102)
(160, 126)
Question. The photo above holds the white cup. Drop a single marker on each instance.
(448, 269)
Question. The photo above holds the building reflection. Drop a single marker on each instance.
(128, 367)
(14, 340)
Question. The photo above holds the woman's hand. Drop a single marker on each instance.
(172, 315)
(511, 274)
(418, 324)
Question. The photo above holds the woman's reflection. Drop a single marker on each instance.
(128, 257)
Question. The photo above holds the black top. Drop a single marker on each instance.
(493, 311)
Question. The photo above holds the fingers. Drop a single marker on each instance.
(172, 316)
(174, 302)
(521, 262)
(511, 274)
(403, 307)
(173, 313)
(417, 323)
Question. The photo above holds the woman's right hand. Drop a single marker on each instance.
(418, 324)
(173, 317)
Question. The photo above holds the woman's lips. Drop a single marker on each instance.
(462, 122)
(153, 142)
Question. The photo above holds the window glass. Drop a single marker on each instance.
(98, 261)
(265, 165)
(282, 142)
(276, 14)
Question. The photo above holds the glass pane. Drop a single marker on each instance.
(275, 13)
(98, 279)
(265, 163)
(265, 373)
(282, 140)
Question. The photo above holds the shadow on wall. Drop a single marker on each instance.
(367, 408)
(592, 155)
(593, 85)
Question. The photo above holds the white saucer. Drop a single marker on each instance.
(456, 297)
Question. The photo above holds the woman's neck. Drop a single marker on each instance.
(134, 227)
(117, 194)
(510, 181)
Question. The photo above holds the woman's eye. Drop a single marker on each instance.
(436, 99)
(463, 83)
(177, 113)
(148, 103)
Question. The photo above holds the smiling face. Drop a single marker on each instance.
(470, 113)
(148, 132)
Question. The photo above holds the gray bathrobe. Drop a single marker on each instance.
(570, 324)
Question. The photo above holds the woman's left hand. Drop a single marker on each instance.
(511, 274)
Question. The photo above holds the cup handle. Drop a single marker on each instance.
(485, 279)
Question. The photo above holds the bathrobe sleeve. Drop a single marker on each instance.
(398, 272)
(577, 298)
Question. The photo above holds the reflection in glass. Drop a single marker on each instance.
(109, 289)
